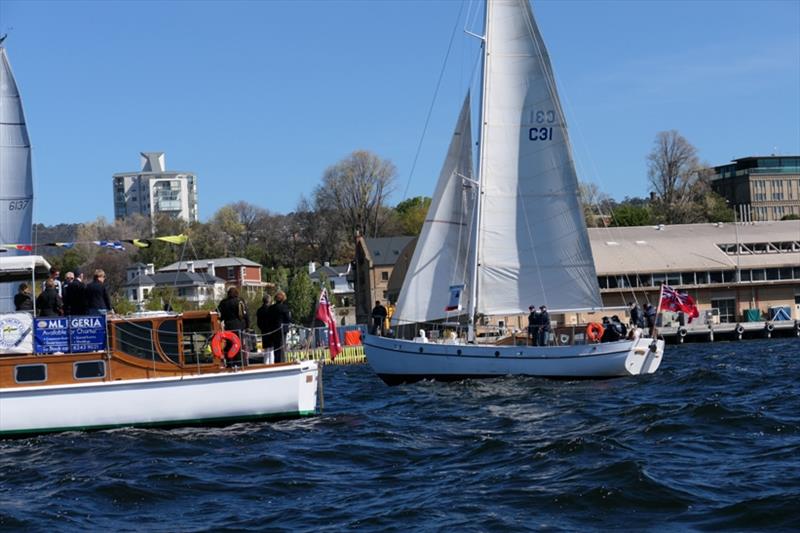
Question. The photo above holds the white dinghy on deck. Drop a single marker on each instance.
(510, 235)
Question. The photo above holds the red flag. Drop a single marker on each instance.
(325, 316)
(672, 300)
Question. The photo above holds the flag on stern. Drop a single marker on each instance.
(672, 300)
(325, 315)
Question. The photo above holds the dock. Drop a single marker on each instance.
(707, 332)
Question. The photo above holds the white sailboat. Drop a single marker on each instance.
(510, 236)
(16, 181)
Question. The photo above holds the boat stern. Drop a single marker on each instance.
(645, 356)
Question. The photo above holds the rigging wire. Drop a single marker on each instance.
(433, 102)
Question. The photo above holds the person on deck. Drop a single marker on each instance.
(98, 301)
(379, 314)
(261, 320)
(74, 296)
(233, 313)
(278, 317)
(637, 319)
(48, 303)
(23, 300)
(650, 319)
(533, 326)
(54, 278)
(544, 326)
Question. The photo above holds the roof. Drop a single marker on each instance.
(385, 251)
(18, 267)
(689, 247)
(218, 262)
(179, 278)
(331, 271)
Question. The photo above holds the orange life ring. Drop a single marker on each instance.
(594, 332)
(217, 344)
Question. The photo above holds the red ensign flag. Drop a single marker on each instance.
(325, 316)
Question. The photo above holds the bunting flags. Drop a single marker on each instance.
(174, 239)
(325, 316)
(139, 243)
(114, 245)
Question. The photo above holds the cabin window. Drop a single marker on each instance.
(30, 373)
(89, 370)
(168, 340)
(136, 339)
(197, 335)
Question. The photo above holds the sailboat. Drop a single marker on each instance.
(507, 236)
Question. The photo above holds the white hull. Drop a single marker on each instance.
(398, 361)
(274, 392)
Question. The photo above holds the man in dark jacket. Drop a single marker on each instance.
(261, 319)
(650, 319)
(544, 326)
(277, 319)
(637, 319)
(233, 312)
(72, 294)
(23, 300)
(48, 303)
(533, 326)
(379, 314)
(98, 301)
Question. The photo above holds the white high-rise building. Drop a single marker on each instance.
(155, 190)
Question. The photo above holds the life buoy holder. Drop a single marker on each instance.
(739, 329)
(682, 332)
(217, 343)
(770, 326)
(594, 332)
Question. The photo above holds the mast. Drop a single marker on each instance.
(479, 178)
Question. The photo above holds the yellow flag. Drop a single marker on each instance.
(174, 239)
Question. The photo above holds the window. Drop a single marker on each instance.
(89, 370)
(135, 338)
(384, 276)
(727, 308)
(702, 278)
(785, 273)
(196, 338)
(759, 274)
(773, 274)
(687, 278)
(715, 277)
(168, 339)
(30, 373)
(745, 275)
(231, 273)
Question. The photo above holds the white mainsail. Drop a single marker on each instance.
(533, 247)
(16, 183)
(441, 255)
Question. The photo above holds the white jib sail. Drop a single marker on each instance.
(440, 256)
(533, 246)
(16, 183)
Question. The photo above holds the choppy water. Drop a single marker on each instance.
(712, 441)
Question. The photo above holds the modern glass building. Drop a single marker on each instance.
(154, 190)
(760, 188)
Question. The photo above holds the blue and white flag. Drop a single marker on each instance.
(455, 298)
(114, 245)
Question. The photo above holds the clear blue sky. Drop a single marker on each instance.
(258, 98)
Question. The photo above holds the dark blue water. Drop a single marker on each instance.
(710, 442)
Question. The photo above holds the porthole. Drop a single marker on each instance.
(497, 354)
(30, 373)
(420, 350)
(458, 352)
(89, 370)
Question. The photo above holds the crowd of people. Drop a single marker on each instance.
(70, 297)
(271, 319)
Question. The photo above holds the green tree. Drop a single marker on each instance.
(301, 297)
(412, 213)
(631, 215)
(791, 216)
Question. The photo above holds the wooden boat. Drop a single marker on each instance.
(155, 370)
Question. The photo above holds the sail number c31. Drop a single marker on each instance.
(540, 134)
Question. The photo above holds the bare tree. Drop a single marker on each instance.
(357, 187)
(673, 169)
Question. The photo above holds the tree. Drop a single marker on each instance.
(301, 297)
(412, 213)
(791, 216)
(357, 187)
(596, 205)
(631, 215)
(673, 168)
